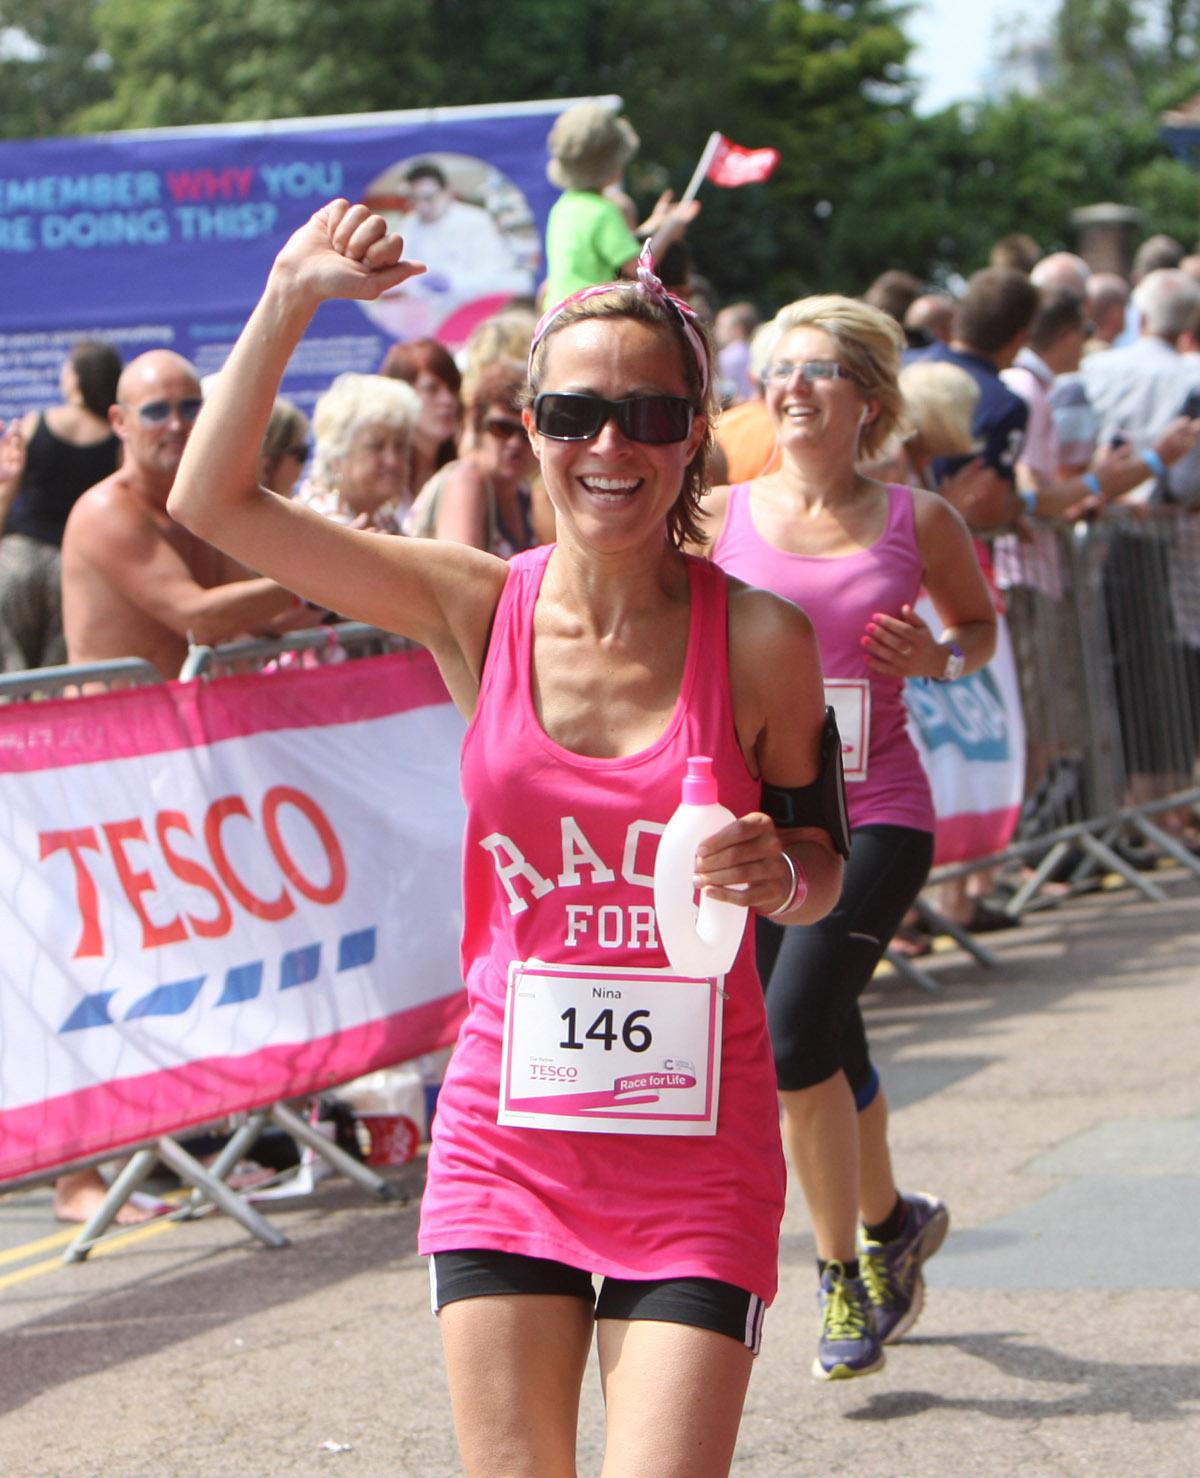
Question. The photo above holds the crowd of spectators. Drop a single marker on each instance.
(1075, 384)
(1039, 394)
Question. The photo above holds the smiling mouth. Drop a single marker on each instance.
(610, 489)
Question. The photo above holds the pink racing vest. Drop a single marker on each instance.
(558, 860)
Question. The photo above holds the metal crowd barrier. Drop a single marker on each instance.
(208, 1184)
(1105, 624)
(348, 639)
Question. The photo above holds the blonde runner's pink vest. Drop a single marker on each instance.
(558, 860)
(839, 594)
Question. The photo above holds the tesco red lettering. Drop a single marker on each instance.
(281, 795)
(188, 870)
(134, 884)
(262, 908)
(86, 898)
(133, 855)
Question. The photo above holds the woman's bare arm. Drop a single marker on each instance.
(904, 645)
(462, 511)
(779, 710)
(441, 595)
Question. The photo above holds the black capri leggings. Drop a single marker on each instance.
(813, 975)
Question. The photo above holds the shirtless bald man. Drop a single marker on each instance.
(136, 583)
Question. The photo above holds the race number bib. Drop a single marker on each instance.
(850, 699)
(610, 1051)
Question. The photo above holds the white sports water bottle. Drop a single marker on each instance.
(699, 942)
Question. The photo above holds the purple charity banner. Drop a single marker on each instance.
(163, 237)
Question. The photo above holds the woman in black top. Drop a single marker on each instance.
(69, 448)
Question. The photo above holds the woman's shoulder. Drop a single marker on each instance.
(937, 526)
(71, 424)
(773, 652)
(464, 477)
(930, 510)
(421, 519)
(757, 615)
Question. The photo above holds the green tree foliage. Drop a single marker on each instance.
(864, 183)
(822, 80)
(202, 61)
(1181, 31)
(972, 173)
(1096, 51)
(968, 176)
(209, 61)
(826, 88)
(52, 66)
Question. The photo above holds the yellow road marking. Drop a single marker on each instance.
(10, 1280)
(134, 1234)
(113, 1242)
(43, 1244)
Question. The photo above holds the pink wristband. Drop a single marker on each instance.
(799, 890)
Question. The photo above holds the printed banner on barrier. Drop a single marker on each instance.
(217, 895)
(970, 735)
(162, 238)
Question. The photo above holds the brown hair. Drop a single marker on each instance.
(1016, 252)
(501, 383)
(999, 304)
(407, 360)
(97, 367)
(287, 428)
(683, 518)
(894, 292)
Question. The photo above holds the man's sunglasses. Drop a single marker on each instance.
(810, 370)
(654, 419)
(155, 412)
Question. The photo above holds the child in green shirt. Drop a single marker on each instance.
(588, 239)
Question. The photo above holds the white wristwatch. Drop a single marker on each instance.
(955, 663)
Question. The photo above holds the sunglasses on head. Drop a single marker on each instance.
(654, 419)
(810, 370)
(155, 412)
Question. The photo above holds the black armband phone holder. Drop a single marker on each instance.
(823, 803)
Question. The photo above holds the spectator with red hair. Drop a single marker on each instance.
(430, 369)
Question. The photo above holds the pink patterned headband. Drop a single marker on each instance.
(649, 285)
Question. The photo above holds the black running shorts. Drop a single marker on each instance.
(705, 1303)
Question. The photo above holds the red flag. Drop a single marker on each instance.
(732, 165)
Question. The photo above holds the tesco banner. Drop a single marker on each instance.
(217, 895)
(970, 735)
(163, 238)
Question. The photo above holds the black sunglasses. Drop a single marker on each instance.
(654, 419)
(502, 428)
(155, 412)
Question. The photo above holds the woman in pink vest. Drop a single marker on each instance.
(601, 1115)
(854, 554)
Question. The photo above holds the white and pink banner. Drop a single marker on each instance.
(970, 735)
(217, 895)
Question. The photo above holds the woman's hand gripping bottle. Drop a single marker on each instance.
(699, 941)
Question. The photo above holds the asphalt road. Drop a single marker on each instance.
(1054, 1102)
